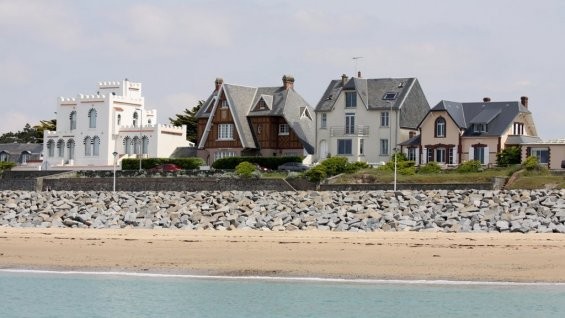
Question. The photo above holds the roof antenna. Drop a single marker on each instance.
(356, 59)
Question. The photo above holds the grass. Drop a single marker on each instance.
(547, 180)
(447, 176)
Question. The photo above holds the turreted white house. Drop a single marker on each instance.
(90, 128)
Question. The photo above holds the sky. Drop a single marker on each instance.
(459, 50)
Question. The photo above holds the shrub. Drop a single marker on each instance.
(470, 166)
(184, 163)
(407, 171)
(508, 156)
(335, 165)
(532, 166)
(429, 168)
(316, 174)
(267, 162)
(355, 166)
(4, 165)
(402, 162)
(245, 169)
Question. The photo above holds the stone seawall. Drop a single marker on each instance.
(439, 210)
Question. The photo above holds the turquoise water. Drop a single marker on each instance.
(28, 294)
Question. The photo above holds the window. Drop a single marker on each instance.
(384, 147)
(224, 154)
(135, 119)
(362, 147)
(518, 129)
(127, 146)
(25, 157)
(283, 129)
(136, 146)
(479, 154)
(145, 145)
(223, 103)
(440, 128)
(149, 122)
(412, 154)
(3, 156)
(225, 132)
(480, 128)
(349, 123)
(95, 146)
(87, 146)
(92, 118)
(119, 119)
(541, 153)
(73, 120)
(440, 155)
(344, 146)
(384, 119)
(61, 148)
(389, 96)
(350, 99)
(71, 146)
(324, 121)
(450, 156)
(50, 148)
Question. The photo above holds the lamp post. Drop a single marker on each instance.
(140, 142)
(115, 154)
(395, 169)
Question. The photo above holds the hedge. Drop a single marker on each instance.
(184, 163)
(267, 162)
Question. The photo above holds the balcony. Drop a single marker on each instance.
(340, 131)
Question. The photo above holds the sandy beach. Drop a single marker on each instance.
(404, 255)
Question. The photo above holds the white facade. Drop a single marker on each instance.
(91, 127)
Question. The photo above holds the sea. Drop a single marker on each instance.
(29, 293)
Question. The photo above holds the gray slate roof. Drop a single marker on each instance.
(283, 103)
(497, 115)
(410, 98)
(15, 150)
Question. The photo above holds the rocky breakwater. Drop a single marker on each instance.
(441, 211)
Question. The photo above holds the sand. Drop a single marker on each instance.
(404, 256)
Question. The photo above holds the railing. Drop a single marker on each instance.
(338, 131)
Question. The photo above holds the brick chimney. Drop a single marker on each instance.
(288, 82)
(343, 79)
(486, 99)
(524, 101)
(358, 74)
(219, 81)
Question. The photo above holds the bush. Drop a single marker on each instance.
(429, 168)
(407, 171)
(4, 165)
(508, 156)
(245, 169)
(355, 166)
(335, 165)
(268, 162)
(470, 166)
(184, 163)
(531, 164)
(316, 174)
(402, 162)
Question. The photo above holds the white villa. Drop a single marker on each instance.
(90, 128)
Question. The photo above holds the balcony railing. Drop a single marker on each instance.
(339, 131)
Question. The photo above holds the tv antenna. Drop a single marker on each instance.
(356, 60)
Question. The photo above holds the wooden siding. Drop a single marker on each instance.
(266, 131)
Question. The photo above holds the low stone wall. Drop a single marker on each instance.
(439, 211)
(17, 184)
(405, 186)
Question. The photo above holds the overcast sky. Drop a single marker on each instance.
(459, 50)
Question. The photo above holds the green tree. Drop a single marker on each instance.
(29, 134)
(508, 156)
(188, 118)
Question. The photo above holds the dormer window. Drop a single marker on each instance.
(223, 103)
(480, 128)
(440, 128)
(390, 96)
(350, 99)
(518, 129)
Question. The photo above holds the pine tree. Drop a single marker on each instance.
(188, 118)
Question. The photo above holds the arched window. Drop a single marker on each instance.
(71, 147)
(440, 128)
(96, 146)
(73, 120)
(127, 146)
(119, 119)
(24, 157)
(87, 146)
(144, 145)
(3, 156)
(134, 119)
(136, 145)
(92, 118)
(60, 148)
(50, 148)
(149, 122)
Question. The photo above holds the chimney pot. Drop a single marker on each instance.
(359, 74)
(219, 81)
(343, 79)
(486, 99)
(524, 101)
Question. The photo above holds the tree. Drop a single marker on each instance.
(29, 134)
(508, 156)
(188, 118)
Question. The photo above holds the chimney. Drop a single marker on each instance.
(219, 81)
(358, 74)
(524, 101)
(486, 99)
(288, 82)
(343, 79)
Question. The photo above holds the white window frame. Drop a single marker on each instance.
(225, 132)
(324, 121)
(345, 147)
(385, 119)
(350, 99)
(223, 154)
(384, 147)
(284, 130)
